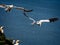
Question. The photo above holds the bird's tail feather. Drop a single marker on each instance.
(53, 19)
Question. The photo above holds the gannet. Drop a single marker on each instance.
(42, 21)
(6, 7)
(1, 29)
(16, 42)
(9, 7)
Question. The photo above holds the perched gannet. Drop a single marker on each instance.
(1, 29)
(42, 21)
(16, 42)
(9, 7)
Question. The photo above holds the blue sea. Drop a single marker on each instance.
(17, 26)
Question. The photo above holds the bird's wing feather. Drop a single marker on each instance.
(19, 8)
(25, 14)
(22, 8)
(2, 5)
(32, 20)
(44, 21)
(53, 19)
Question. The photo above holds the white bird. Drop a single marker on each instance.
(9, 7)
(42, 21)
(16, 42)
(6, 7)
(1, 29)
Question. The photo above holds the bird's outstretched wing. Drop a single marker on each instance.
(21, 8)
(53, 19)
(2, 5)
(32, 20)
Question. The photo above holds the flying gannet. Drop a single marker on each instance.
(42, 21)
(16, 42)
(9, 7)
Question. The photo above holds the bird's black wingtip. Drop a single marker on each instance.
(53, 19)
(28, 10)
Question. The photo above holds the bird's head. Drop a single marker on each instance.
(39, 23)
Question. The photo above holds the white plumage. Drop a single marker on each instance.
(16, 42)
(43, 21)
(1, 29)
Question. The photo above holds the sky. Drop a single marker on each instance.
(17, 26)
